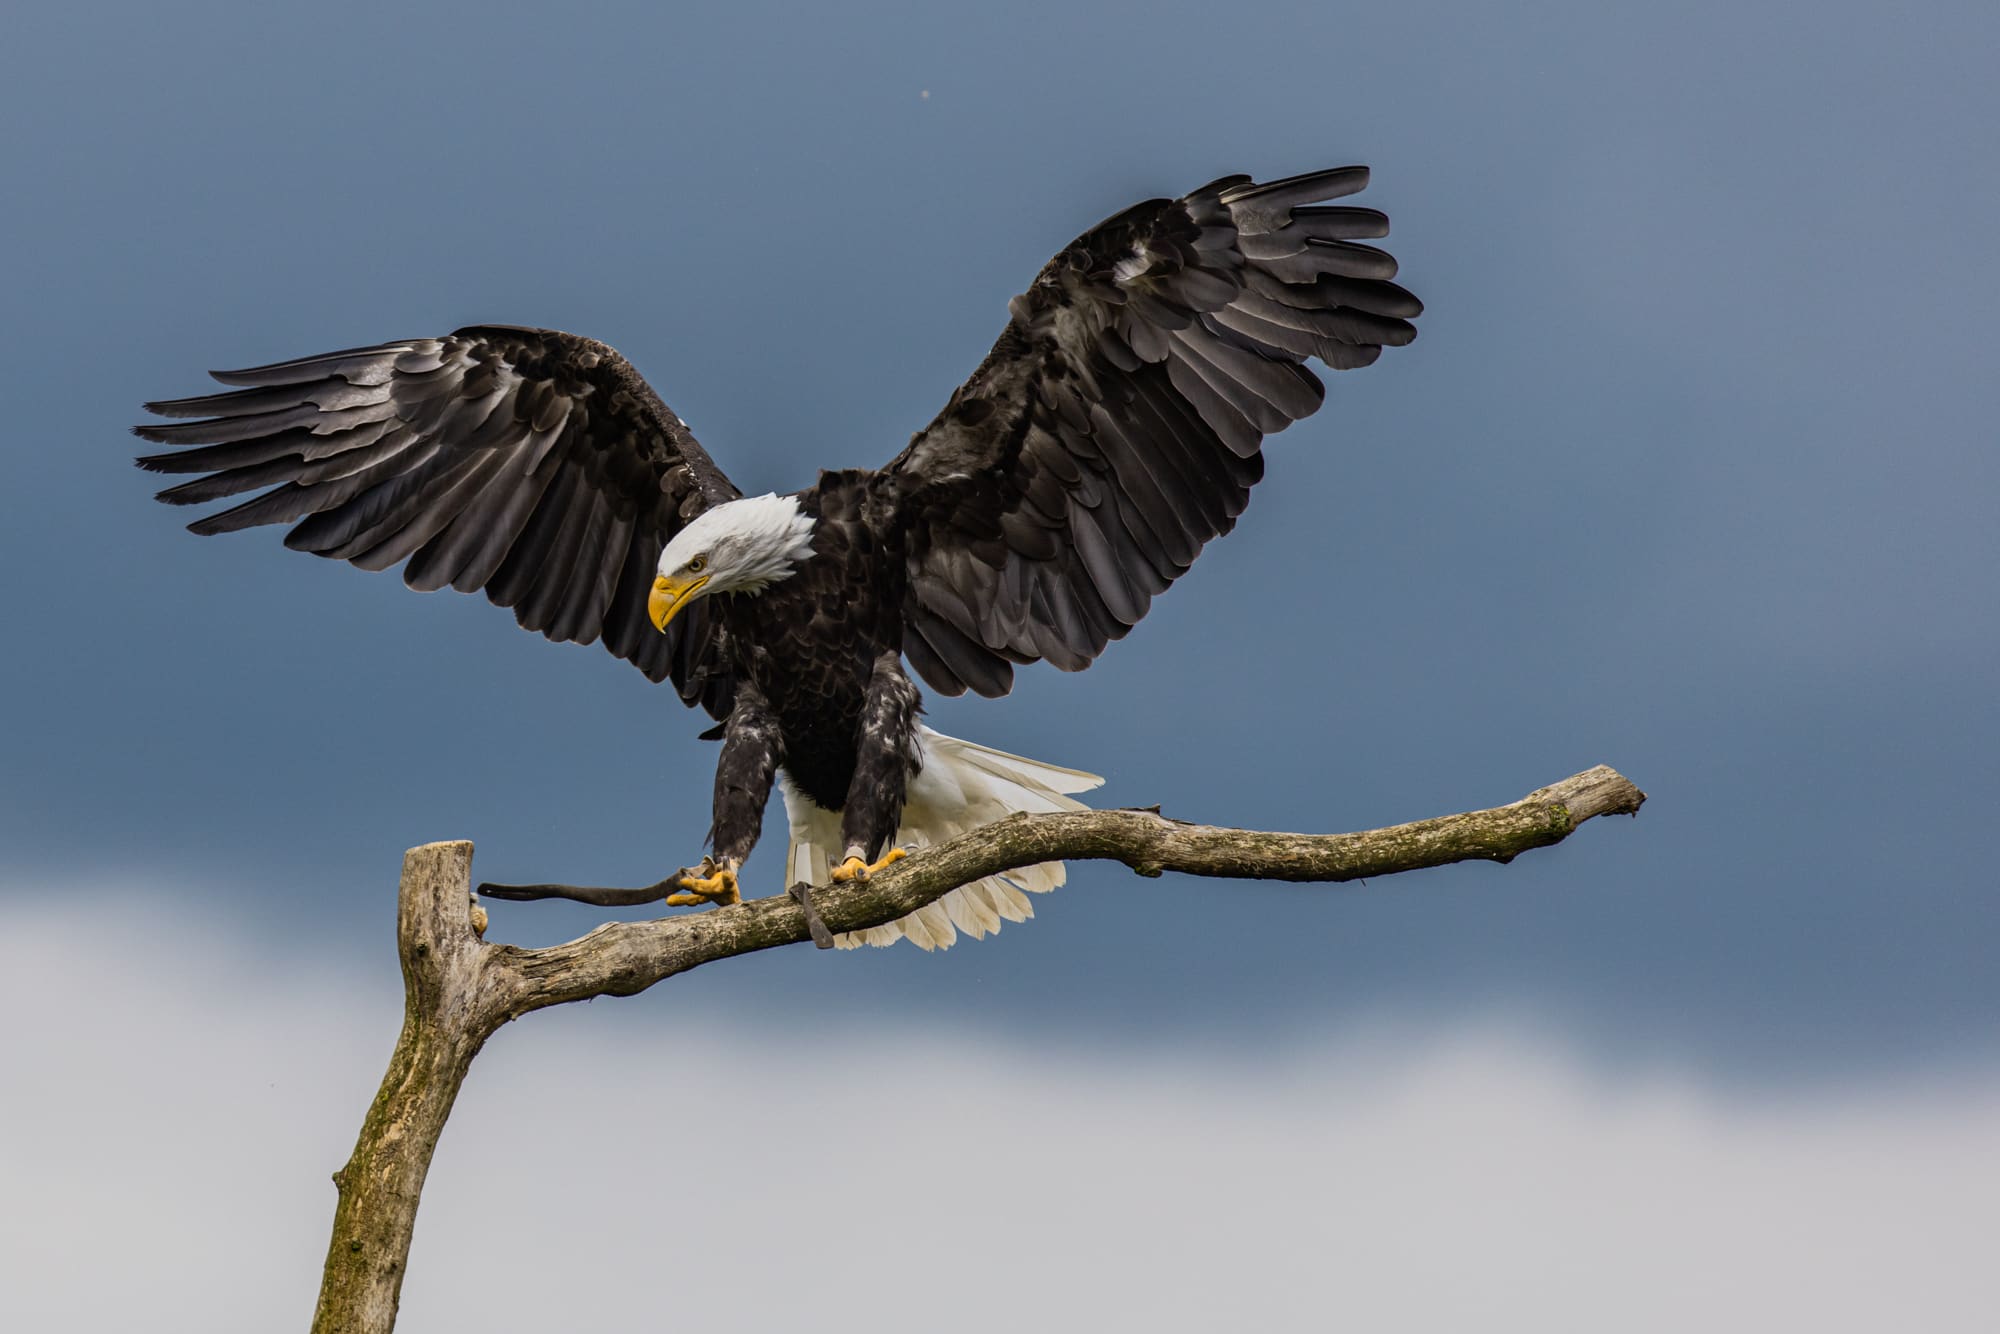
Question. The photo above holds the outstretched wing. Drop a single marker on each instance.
(535, 465)
(1117, 424)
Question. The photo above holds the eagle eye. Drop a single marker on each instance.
(697, 565)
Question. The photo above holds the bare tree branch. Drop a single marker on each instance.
(459, 990)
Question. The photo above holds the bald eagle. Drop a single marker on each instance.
(1114, 429)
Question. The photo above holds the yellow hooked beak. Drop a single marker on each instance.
(669, 596)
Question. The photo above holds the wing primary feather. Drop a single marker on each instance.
(1375, 296)
(304, 370)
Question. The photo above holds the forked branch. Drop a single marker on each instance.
(458, 990)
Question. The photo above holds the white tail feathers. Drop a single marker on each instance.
(961, 787)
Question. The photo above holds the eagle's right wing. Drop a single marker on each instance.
(535, 465)
(1117, 425)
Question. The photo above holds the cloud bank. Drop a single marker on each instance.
(170, 1135)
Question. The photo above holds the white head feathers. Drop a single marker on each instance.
(744, 545)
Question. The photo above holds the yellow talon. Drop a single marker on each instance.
(856, 869)
(718, 887)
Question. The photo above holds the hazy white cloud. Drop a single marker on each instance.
(173, 1107)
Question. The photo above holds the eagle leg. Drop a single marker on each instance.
(886, 756)
(711, 882)
(854, 868)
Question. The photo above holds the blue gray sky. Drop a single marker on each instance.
(1690, 472)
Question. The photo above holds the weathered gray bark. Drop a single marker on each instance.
(450, 1006)
(458, 990)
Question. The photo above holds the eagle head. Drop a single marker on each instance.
(739, 546)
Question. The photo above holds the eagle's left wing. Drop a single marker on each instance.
(536, 466)
(1117, 424)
